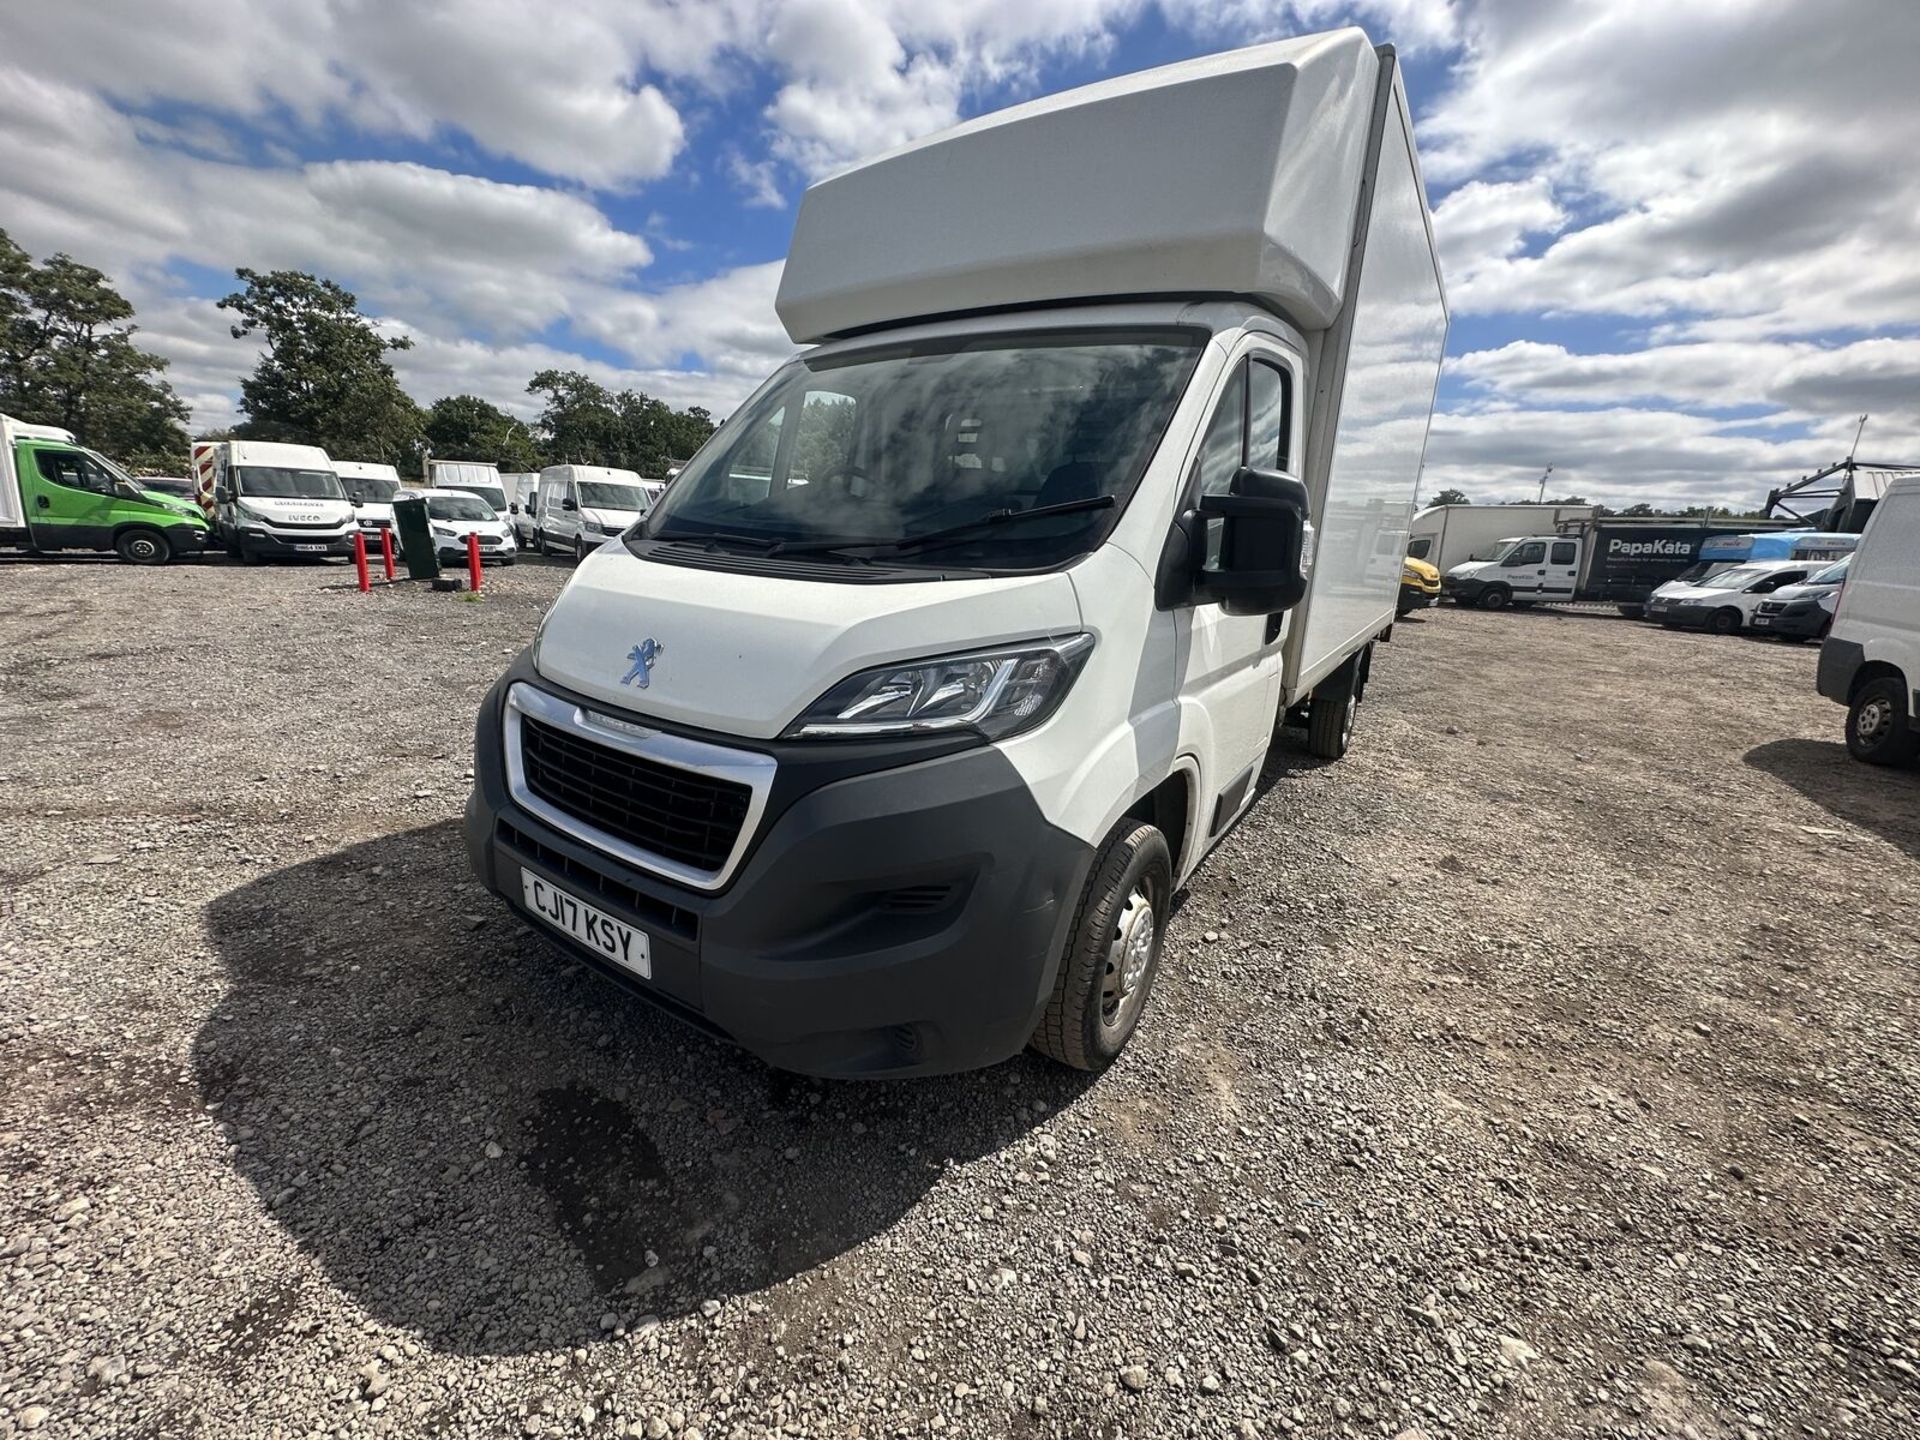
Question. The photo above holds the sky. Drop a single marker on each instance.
(1681, 240)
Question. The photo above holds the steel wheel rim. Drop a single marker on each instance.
(143, 548)
(1129, 957)
(1876, 716)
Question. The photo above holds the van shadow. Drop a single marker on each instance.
(490, 1147)
(1883, 800)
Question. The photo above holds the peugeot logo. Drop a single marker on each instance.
(642, 657)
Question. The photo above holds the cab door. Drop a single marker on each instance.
(1562, 571)
(69, 500)
(1230, 664)
(1525, 570)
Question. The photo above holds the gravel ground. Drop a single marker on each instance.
(1545, 1068)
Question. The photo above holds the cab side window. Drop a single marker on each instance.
(1269, 415)
(74, 471)
(1418, 547)
(1534, 552)
(1562, 552)
(1222, 452)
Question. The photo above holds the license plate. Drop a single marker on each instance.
(1763, 619)
(598, 931)
(311, 549)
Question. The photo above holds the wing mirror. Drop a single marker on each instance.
(1265, 554)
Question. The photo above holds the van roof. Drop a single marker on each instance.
(1231, 174)
(592, 472)
(367, 469)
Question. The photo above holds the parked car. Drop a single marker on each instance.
(1419, 586)
(1448, 535)
(581, 506)
(898, 770)
(1804, 611)
(452, 515)
(1727, 599)
(1870, 660)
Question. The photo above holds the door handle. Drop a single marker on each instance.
(43, 502)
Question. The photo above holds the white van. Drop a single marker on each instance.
(1725, 601)
(521, 487)
(1870, 660)
(1104, 436)
(476, 477)
(274, 501)
(452, 515)
(580, 507)
(370, 487)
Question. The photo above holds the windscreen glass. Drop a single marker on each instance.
(603, 495)
(369, 489)
(1733, 579)
(458, 507)
(1832, 575)
(494, 495)
(279, 482)
(930, 455)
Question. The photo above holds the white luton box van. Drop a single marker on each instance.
(885, 742)
(1870, 660)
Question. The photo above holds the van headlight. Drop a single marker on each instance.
(997, 692)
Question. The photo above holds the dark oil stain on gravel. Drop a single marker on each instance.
(481, 1142)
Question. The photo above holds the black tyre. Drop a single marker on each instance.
(1725, 621)
(580, 548)
(1331, 711)
(1113, 951)
(143, 547)
(1878, 731)
(540, 542)
(1496, 598)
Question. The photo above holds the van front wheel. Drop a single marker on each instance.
(143, 547)
(1113, 951)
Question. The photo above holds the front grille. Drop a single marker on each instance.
(303, 524)
(680, 815)
(677, 919)
(1772, 607)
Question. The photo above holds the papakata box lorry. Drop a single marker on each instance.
(1615, 561)
(884, 742)
(58, 495)
(273, 501)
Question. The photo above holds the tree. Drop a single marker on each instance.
(324, 378)
(67, 358)
(465, 427)
(1450, 497)
(578, 425)
(584, 423)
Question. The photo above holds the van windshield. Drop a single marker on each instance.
(369, 488)
(600, 495)
(1834, 574)
(280, 482)
(1734, 578)
(879, 449)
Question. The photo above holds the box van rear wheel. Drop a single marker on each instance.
(1113, 951)
(143, 547)
(1330, 712)
(1878, 731)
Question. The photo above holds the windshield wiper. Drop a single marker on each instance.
(928, 539)
(712, 538)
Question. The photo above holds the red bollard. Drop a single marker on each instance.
(386, 552)
(360, 560)
(473, 559)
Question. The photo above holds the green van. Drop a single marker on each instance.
(56, 495)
